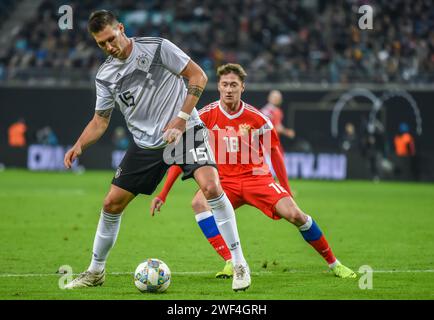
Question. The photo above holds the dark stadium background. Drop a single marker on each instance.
(316, 54)
(313, 51)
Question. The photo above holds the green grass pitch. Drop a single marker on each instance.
(49, 220)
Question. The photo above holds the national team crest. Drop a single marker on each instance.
(143, 62)
(244, 129)
(118, 172)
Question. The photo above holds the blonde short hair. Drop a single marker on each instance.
(231, 68)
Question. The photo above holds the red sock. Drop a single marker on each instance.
(220, 247)
(322, 247)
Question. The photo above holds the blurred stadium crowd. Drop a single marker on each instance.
(277, 41)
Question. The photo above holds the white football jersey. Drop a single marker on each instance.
(146, 87)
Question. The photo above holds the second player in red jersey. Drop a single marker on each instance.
(274, 112)
(241, 135)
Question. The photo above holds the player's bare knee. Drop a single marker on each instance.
(198, 205)
(298, 218)
(212, 190)
(294, 216)
(112, 206)
(290, 217)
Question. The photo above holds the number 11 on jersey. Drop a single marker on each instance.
(279, 189)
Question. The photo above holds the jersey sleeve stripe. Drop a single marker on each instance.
(107, 61)
(208, 108)
(148, 40)
(254, 110)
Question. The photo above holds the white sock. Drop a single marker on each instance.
(105, 238)
(334, 264)
(224, 216)
(203, 215)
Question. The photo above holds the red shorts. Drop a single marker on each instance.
(261, 192)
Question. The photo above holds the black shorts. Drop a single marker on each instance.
(141, 170)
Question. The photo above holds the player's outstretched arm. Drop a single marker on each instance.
(91, 134)
(287, 132)
(279, 167)
(159, 200)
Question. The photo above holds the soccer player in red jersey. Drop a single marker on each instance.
(241, 133)
(273, 111)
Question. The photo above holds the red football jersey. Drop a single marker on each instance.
(274, 113)
(238, 140)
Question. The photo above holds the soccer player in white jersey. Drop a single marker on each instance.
(143, 78)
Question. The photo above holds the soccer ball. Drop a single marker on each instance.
(152, 275)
